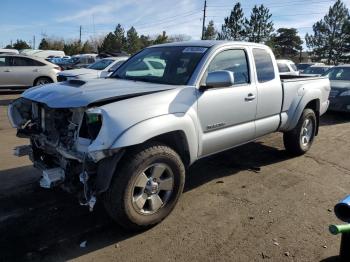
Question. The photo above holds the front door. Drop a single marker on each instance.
(227, 114)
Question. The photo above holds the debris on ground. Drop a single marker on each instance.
(287, 254)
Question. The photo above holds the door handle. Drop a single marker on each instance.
(250, 97)
(7, 70)
(35, 70)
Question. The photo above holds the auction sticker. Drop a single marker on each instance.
(194, 50)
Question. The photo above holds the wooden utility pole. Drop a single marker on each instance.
(80, 34)
(204, 15)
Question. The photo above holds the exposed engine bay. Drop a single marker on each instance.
(59, 140)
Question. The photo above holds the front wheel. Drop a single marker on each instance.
(43, 81)
(299, 140)
(146, 187)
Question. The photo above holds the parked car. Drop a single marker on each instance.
(340, 88)
(8, 51)
(42, 53)
(17, 71)
(101, 68)
(128, 139)
(77, 61)
(316, 70)
(302, 66)
(287, 67)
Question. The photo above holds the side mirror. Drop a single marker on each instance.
(221, 78)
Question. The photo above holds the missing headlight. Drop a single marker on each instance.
(91, 125)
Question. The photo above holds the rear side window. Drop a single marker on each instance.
(4, 61)
(234, 61)
(23, 61)
(283, 68)
(264, 65)
(294, 67)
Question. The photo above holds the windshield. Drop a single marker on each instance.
(165, 65)
(339, 73)
(100, 65)
(315, 70)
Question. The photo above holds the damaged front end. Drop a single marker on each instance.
(59, 146)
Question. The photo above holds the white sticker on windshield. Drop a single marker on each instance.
(194, 50)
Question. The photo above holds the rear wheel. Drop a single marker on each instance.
(146, 187)
(42, 81)
(299, 140)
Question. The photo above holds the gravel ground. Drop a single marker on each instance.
(253, 203)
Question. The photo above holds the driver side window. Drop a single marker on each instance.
(234, 61)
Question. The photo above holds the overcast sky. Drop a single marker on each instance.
(61, 18)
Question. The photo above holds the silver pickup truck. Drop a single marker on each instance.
(129, 139)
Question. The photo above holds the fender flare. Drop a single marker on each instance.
(294, 114)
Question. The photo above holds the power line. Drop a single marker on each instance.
(276, 5)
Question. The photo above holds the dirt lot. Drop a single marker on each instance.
(253, 203)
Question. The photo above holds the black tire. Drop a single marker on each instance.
(119, 200)
(42, 81)
(293, 141)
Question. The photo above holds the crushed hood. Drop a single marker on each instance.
(76, 93)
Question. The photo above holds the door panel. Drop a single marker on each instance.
(227, 114)
(5, 76)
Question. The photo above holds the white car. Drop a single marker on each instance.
(101, 68)
(287, 67)
(149, 66)
(18, 71)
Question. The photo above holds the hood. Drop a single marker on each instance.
(340, 84)
(79, 72)
(77, 93)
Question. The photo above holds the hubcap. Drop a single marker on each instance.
(306, 132)
(152, 188)
(43, 82)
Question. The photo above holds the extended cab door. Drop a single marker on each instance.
(269, 92)
(227, 114)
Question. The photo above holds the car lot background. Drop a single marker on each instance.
(252, 203)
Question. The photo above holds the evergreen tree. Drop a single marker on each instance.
(72, 48)
(233, 27)
(119, 33)
(109, 44)
(331, 34)
(286, 42)
(259, 27)
(20, 44)
(133, 43)
(209, 31)
(44, 44)
(161, 39)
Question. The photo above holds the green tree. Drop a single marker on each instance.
(209, 31)
(161, 39)
(331, 34)
(233, 27)
(120, 39)
(133, 43)
(87, 48)
(145, 41)
(259, 27)
(20, 44)
(72, 48)
(109, 44)
(44, 44)
(286, 42)
(9, 47)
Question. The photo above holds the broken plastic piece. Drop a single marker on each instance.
(52, 177)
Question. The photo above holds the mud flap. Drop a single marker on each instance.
(105, 171)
